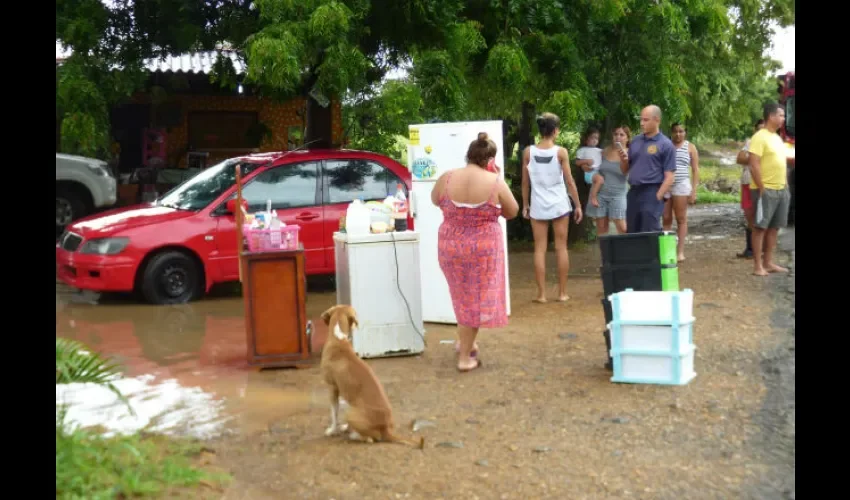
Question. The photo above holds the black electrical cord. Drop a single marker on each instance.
(406, 303)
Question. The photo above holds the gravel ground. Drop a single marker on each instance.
(777, 416)
(541, 419)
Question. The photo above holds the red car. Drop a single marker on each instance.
(175, 249)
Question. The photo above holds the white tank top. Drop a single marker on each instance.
(549, 198)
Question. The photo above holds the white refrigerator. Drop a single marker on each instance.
(433, 149)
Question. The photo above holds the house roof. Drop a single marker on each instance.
(195, 63)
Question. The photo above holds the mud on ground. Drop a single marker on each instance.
(541, 419)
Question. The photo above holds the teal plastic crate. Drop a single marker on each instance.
(652, 344)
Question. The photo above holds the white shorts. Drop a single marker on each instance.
(680, 188)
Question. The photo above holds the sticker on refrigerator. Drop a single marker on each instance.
(428, 149)
(414, 136)
(424, 168)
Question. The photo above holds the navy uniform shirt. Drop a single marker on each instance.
(649, 158)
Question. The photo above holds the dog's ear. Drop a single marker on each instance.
(326, 316)
(352, 317)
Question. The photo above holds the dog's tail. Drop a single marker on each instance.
(420, 444)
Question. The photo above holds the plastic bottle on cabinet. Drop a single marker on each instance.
(400, 212)
(357, 218)
(275, 235)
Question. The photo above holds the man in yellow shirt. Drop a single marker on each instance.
(769, 189)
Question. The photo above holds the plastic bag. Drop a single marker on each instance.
(759, 210)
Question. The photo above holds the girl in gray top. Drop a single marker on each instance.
(609, 204)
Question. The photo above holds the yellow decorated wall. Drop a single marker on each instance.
(278, 117)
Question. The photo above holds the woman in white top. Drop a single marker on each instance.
(546, 175)
(684, 189)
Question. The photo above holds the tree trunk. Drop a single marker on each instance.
(508, 139)
(525, 133)
(318, 125)
(319, 132)
(579, 232)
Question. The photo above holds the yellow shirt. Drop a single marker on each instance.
(768, 146)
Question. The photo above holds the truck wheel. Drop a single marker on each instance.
(172, 278)
(70, 206)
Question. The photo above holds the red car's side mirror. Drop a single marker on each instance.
(230, 206)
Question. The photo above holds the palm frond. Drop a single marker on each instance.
(77, 364)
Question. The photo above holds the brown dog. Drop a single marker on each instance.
(369, 416)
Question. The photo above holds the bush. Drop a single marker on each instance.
(91, 466)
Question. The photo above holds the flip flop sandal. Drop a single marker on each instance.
(478, 364)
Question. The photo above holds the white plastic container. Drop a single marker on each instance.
(653, 307)
(357, 218)
(652, 338)
(379, 212)
(655, 368)
(655, 338)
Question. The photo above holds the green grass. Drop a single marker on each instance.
(712, 174)
(89, 466)
(710, 170)
(707, 196)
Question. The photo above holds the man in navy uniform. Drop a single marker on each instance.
(650, 163)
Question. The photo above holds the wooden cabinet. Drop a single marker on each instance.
(275, 294)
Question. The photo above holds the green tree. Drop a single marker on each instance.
(374, 119)
(700, 60)
(335, 47)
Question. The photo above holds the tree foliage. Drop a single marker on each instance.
(700, 60)
(373, 119)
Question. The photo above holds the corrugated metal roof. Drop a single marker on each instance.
(198, 62)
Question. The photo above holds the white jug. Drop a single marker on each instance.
(357, 218)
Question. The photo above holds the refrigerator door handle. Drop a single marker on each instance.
(414, 204)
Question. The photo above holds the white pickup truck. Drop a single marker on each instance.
(82, 185)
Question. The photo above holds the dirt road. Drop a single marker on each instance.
(541, 419)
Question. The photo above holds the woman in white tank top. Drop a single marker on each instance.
(546, 176)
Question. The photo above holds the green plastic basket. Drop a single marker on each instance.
(667, 248)
(670, 279)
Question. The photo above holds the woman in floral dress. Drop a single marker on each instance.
(471, 245)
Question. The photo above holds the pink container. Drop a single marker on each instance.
(265, 240)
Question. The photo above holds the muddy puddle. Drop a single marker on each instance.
(164, 407)
(184, 366)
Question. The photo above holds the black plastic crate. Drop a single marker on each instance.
(629, 249)
(640, 278)
(609, 365)
(609, 311)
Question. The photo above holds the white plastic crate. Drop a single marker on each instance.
(655, 338)
(652, 308)
(652, 337)
(661, 369)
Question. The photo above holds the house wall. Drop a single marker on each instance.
(278, 117)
